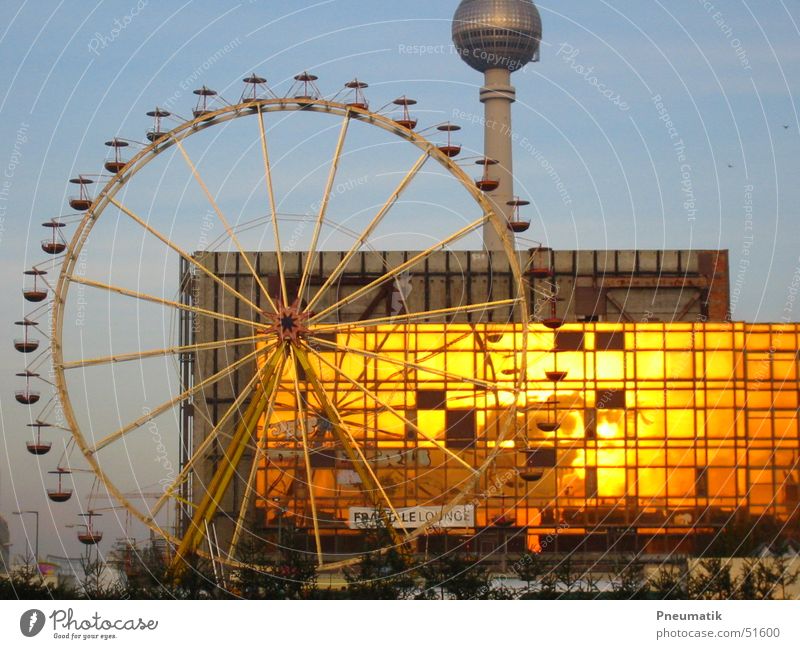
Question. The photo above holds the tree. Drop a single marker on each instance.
(256, 578)
(548, 584)
(381, 575)
(458, 576)
(566, 575)
(749, 585)
(147, 572)
(295, 569)
(713, 580)
(629, 581)
(98, 582)
(775, 576)
(529, 568)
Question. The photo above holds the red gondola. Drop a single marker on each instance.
(553, 323)
(548, 426)
(54, 244)
(27, 396)
(156, 133)
(540, 268)
(450, 149)
(486, 183)
(406, 121)
(555, 377)
(117, 164)
(60, 494)
(357, 99)
(82, 201)
(517, 224)
(530, 474)
(38, 447)
(537, 461)
(35, 293)
(305, 89)
(26, 344)
(90, 536)
(504, 520)
(252, 84)
(204, 97)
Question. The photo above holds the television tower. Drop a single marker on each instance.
(498, 37)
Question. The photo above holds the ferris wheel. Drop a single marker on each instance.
(284, 372)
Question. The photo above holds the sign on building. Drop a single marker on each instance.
(413, 517)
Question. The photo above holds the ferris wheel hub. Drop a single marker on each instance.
(290, 322)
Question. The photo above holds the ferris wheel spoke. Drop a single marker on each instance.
(257, 456)
(417, 317)
(167, 405)
(302, 414)
(169, 351)
(185, 255)
(79, 279)
(365, 235)
(359, 386)
(373, 488)
(449, 376)
(326, 197)
(213, 435)
(226, 224)
(395, 272)
(272, 204)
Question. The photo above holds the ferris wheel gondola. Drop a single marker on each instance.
(305, 90)
(26, 344)
(83, 201)
(517, 224)
(205, 96)
(540, 266)
(37, 446)
(27, 396)
(157, 132)
(90, 536)
(117, 164)
(60, 494)
(406, 120)
(36, 292)
(449, 148)
(255, 88)
(357, 98)
(486, 183)
(55, 243)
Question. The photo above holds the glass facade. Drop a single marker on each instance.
(656, 430)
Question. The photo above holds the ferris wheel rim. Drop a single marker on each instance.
(175, 137)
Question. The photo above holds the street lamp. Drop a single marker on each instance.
(35, 513)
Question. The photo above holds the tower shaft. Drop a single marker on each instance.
(497, 95)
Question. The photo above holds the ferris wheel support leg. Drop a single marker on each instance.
(356, 457)
(221, 480)
(301, 415)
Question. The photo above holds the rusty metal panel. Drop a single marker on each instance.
(590, 301)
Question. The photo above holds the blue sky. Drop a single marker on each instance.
(75, 73)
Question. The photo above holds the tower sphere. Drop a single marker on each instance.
(490, 34)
